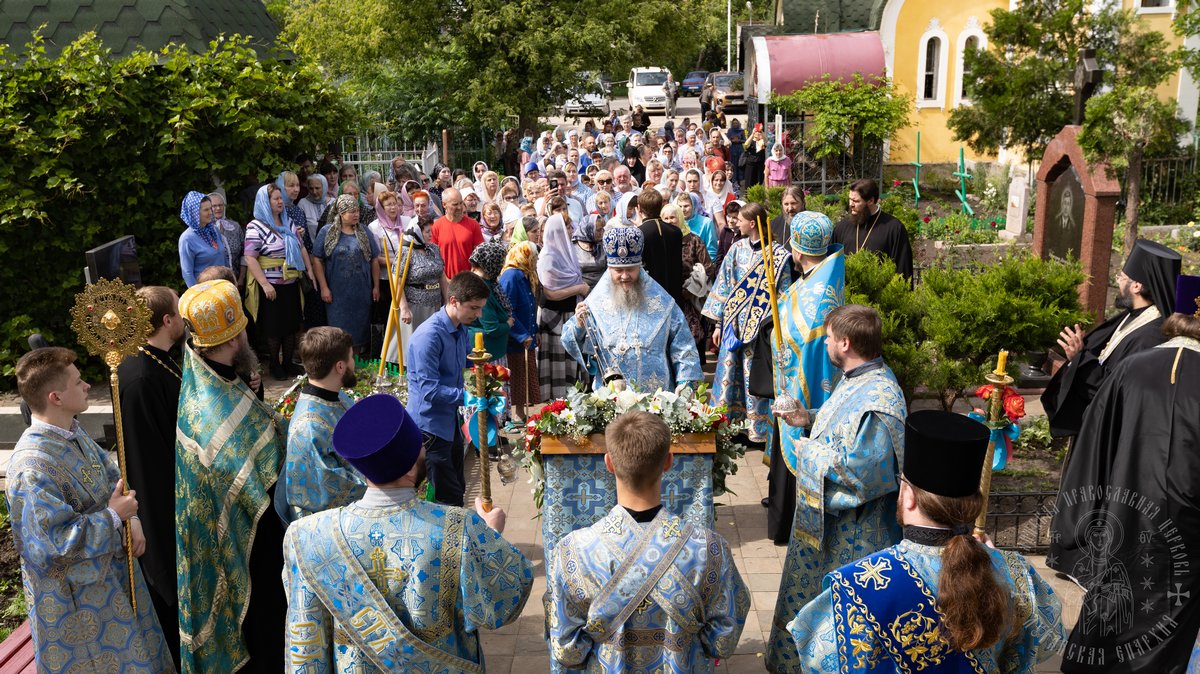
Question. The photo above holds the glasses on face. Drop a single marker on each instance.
(511, 197)
(604, 182)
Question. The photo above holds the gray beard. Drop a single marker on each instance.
(629, 297)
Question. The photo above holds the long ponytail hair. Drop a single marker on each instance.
(974, 606)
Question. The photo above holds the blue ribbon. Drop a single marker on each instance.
(493, 407)
(1002, 439)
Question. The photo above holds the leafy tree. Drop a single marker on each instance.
(848, 117)
(872, 280)
(99, 147)
(1022, 86)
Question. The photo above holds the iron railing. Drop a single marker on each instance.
(834, 173)
(374, 151)
(1021, 521)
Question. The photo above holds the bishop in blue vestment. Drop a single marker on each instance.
(630, 326)
(317, 478)
(845, 472)
(642, 590)
(67, 518)
(890, 612)
(391, 583)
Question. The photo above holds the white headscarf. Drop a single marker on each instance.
(557, 267)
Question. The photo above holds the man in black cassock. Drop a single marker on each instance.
(1127, 526)
(149, 383)
(1145, 288)
(663, 255)
(869, 228)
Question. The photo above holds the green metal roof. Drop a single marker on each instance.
(829, 16)
(123, 25)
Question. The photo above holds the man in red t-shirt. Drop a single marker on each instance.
(455, 234)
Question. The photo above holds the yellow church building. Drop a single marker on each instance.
(919, 44)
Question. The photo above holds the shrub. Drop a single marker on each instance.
(771, 197)
(99, 147)
(871, 279)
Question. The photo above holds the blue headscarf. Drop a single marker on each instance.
(279, 182)
(189, 212)
(262, 213)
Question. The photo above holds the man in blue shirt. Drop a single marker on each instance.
(436, 357)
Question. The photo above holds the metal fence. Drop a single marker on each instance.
(834, 173)
(1171, 181)
(1021, 521)
(374, 151)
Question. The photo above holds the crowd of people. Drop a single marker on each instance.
(610, 257)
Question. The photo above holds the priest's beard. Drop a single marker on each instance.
(245, 361)
(859, 219)
(629, 296)
(349, 379)
(1124, 299)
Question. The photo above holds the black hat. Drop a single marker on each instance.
(1156, 267)
(1187, 295)
(943, 452)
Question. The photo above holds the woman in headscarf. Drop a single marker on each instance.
(627, 209)
(698, 270)
(699, 224)
(604, 206)
(235, 236)
(200, 245)
(276, 259)
(729, 234)
(562, 286)
(519, 282)
(426, 284)
(717, 193)
(388, 231)
(289, 188)
(487, 261)
(347, 272)
(477, 170)
(490, 194)
(491, 222)
(313, 206)
(588, 251)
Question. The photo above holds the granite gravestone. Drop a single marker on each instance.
(1064, 228)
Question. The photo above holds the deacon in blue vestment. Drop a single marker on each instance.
(64, 496)
(630, 327)
(740, 304)
(317, 478)
(642, 590)
(939, 601)
(804, 374)
(391, 583)
(845, 472)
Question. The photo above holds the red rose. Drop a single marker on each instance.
(926, 218)
(1014, 407)
(1010, 392)
(895, 183)
(994, 225)
(984, 392)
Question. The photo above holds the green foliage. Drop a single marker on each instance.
(100, 147)
(899, 205)
(1022, 86)
(848, 116)
(1018, 304)
(958, 228)
(871, 279)
(771, 197)
(1035, 435)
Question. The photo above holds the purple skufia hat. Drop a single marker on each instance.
(378, 438)
(1187, 295)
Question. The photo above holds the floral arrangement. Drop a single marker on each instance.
(496, 377)
(1006, 430)
(395, 385)
(580, 414)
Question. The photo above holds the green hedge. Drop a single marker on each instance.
(97, 147)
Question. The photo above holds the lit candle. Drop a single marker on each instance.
(1002, 362)
(479, 341)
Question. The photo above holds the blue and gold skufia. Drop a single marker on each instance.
(740, 303)
(846, 484)
(644, 598)
(807, 374)
(317, 478)
(651, 345)
(402, 588)
(229, 450)
(73, 560)
(880, 614)
(580, 492)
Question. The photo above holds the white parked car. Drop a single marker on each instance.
(592, 101)
(646, 88)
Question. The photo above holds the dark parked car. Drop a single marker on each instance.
(692, 83)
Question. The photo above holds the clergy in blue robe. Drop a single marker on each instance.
(67, 513)
(846, 472)
(933, 602)
(642, 590)
(739, 303)
(630, 326)
(804, 375)
(317, 478)
(392, 583)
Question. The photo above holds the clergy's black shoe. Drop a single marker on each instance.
(766, 503)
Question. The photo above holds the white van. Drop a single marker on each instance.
(646, 88)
